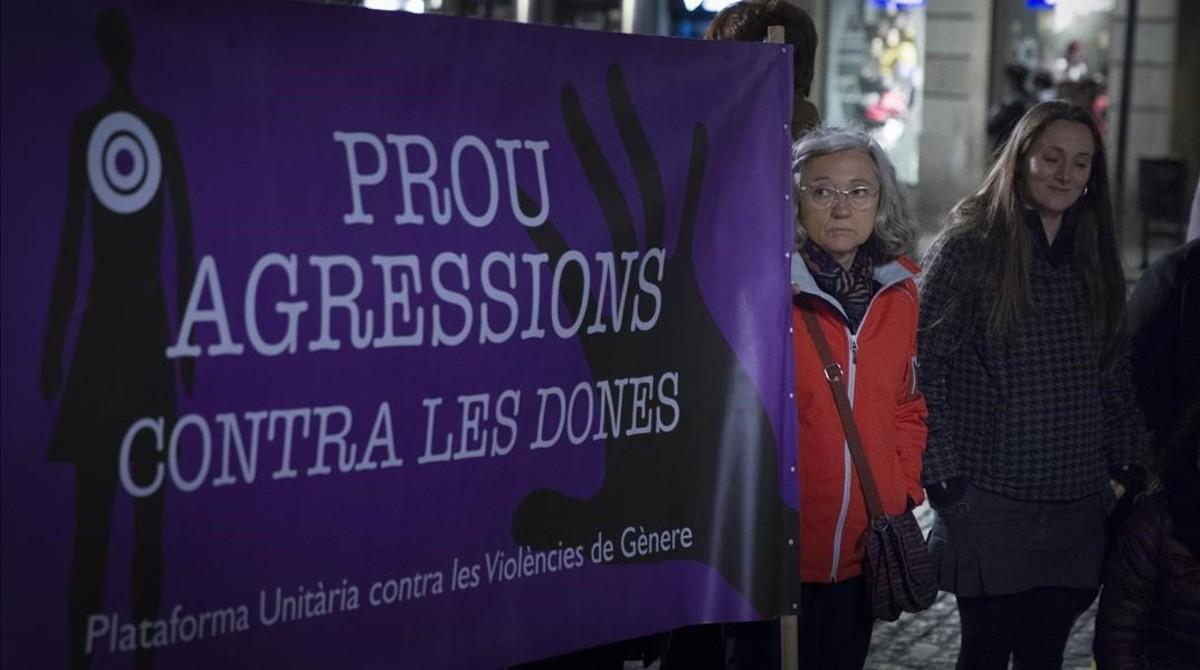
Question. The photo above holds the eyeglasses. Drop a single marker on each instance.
(825, 197)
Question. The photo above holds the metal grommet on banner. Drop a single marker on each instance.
(787, 254)
(791, 542)
(792, 468)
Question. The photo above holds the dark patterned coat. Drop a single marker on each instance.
(1040, 418)
(1149, 614)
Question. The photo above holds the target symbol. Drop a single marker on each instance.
(123, 163)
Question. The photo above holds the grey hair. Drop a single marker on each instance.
(895, 230)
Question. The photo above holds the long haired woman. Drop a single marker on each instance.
(1033, 425)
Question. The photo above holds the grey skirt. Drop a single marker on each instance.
(990, 545)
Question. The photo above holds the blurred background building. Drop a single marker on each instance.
(924, 76)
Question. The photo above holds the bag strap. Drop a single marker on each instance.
(835, 376)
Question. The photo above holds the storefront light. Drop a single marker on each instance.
(414, 6)
(707, 5)
(1066, 11)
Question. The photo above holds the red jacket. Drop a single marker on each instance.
(880, 364)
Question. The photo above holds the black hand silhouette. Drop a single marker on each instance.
(716, 472)
(51, 377)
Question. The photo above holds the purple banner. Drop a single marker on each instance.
(341, 338)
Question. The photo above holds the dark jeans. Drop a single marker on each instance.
(834, 631)
(695, 648)
(752, 645)
(1031, 626)
(835, 625)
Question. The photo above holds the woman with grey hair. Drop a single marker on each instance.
(850, 273)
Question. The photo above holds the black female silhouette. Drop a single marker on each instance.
(124, 165)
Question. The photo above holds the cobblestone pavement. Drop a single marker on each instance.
(929, 640)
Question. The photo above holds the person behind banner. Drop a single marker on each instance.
(1033, 425)
(747, 21)
(853, 228)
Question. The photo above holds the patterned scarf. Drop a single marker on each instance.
(852, 288)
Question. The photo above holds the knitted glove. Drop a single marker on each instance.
(946, 492)
(1130, 476)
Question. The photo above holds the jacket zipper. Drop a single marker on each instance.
(846, 458)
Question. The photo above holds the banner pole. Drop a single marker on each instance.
(789, 653)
